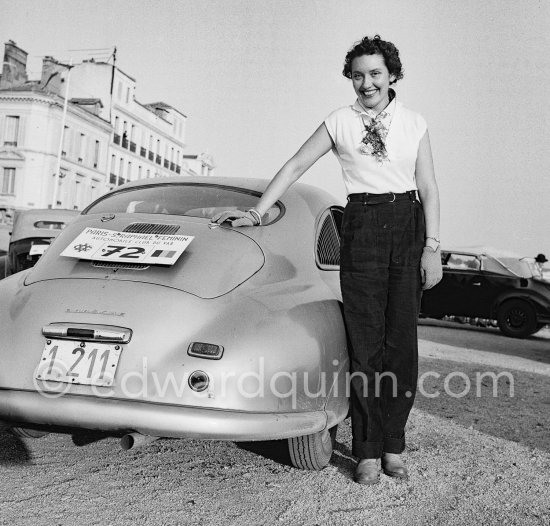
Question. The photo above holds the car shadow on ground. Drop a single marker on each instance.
(13, 450)
(276, 450)
(487, 339)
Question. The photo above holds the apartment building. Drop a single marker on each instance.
(31, 123)
(79, 132)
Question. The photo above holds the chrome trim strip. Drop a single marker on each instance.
(100, 333)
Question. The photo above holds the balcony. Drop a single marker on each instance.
(143, 152)
(151, 156)
(132, 146)
(166, 163)
(173, 167)
(124, 142)
(116, 138)
(178, 169)
(158, 159)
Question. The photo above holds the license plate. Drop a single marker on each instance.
(74, 362)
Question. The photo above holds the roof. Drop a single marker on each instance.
(24, 222)
(86, 102)
(484, 250)
(163, 105)
(307, 192)
(31, 85)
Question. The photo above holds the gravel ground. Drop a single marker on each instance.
(472, 459)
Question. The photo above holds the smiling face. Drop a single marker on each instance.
(371, 81)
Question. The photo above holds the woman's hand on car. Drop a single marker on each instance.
(235, 218)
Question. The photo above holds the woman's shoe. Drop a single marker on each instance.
(393, 466)
(367, 471)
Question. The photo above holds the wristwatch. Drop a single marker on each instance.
(432, 243)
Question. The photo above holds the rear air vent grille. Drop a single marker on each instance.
(151, 228)
(328, 244)
(125, 266)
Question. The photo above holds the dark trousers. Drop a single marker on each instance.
(381, 287)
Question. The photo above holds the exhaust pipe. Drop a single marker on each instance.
(132, 440)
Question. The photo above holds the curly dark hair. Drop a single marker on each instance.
(375, 46)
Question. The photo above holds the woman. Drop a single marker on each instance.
(390, 246)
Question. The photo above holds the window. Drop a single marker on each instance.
(81, 147)
(79, 191)
(8, 181)
(194, 200)
(96, 154)
(129, 171)
(65, 141)
(140, 171)
(133, 138)
(12, 131)
(121, 168)
(461, 261)
(95, 189)
(117, 124)
(124, 134)
(127, 95)
(119, 91)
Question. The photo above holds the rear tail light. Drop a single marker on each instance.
(205, 350)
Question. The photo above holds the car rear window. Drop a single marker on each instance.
(50, 225)
(195, 200)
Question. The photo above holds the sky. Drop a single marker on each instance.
(256, 78)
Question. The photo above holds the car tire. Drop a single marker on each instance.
(517, 319)
(313, 451)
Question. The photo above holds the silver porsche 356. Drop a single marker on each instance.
(144, 320)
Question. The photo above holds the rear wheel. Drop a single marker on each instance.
(517, 318)
(312, 451)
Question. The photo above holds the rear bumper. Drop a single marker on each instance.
(117, 416)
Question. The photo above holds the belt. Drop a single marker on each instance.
(375, 199)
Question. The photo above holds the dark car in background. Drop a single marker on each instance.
(31, 234)
(506, 289)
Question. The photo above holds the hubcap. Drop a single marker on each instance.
(516, 318)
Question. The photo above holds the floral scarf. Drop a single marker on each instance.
(376, 130)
